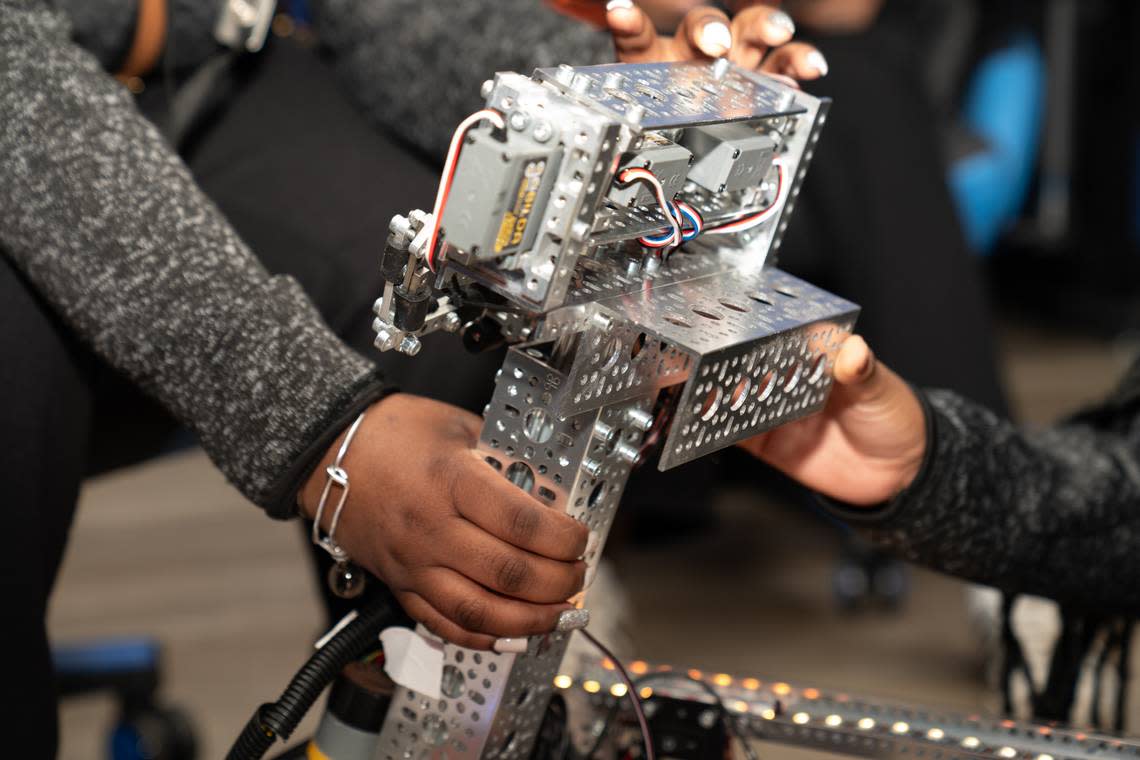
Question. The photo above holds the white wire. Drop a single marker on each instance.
(755, 220)
(647, 176)
(447, 177)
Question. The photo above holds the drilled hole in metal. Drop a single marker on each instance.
(792, 376)
(766, 386)
(538, 426)
(708, 313)
(740, 394)
(638, 346)
(596, 494)
(818, 367)
(711, 404)
(521, 475)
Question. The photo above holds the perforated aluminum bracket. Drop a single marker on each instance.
(492, 705)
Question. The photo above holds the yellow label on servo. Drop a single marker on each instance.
(512, 230)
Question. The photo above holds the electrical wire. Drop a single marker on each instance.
(638, 174)
(631, 690)
(755, 220)
(448, 176)
(729, 726)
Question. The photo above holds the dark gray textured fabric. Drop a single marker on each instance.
(1053, 512)
(108, 224)
(415, 66)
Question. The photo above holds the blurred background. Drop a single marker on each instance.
(978, 193)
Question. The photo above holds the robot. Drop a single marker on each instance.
(617, 226)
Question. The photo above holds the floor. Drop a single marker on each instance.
(168, 549)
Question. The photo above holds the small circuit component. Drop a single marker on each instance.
(666, 159)
(728, 157)
(500, 192)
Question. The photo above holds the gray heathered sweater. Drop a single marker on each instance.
(107, 223)
(1052, 512)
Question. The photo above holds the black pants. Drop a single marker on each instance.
(311, 187)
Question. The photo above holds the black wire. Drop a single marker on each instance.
(279, 719)
(634, 697)
(729, 726)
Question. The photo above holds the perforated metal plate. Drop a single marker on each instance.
(676, 95)
(493, 704)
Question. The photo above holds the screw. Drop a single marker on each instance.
(640, 419)
(410, 345)
(627, 452)
(603, 322)
(605, 433)
(592, 467)
(720, 68)
(565, 74)
(487, 88)
(385, 340)
(518, 121)
(543, 131)
(452, 322)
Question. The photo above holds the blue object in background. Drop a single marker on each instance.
(110, 656)
(299, 10)
(1004, 106)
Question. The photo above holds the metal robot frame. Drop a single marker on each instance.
(616, 225)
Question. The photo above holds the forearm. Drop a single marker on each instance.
(108, 225)
(416, 67)
(1054, 512)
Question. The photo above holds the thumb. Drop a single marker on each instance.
(859, 377)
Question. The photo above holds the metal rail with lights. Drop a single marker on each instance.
(842, 723)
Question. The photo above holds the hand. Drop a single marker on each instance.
(758, 37)
(465, 552)
(865, 447)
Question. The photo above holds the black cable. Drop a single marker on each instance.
(279, 719)
(634, 697)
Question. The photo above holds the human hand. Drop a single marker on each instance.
(757, 37)
(865, 446)
(465, 552)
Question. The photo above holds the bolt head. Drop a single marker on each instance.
(385, 340)
(543, 131)
(410, 345)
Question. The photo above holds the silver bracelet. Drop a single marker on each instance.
(337, 476)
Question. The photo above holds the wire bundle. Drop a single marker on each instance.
(448, 176)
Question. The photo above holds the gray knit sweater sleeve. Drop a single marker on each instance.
(1054, 512)
(107, 223)
(416, 67)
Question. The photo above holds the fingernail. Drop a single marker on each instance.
(715, 38)
(573, 620)
(619, 5)
(510, 646)
(816, 61)
(782, 22)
